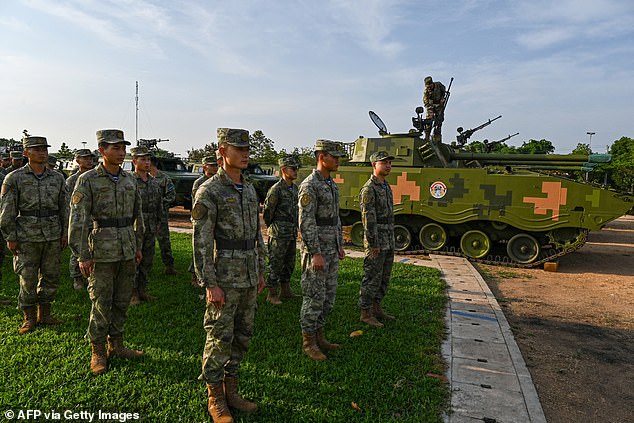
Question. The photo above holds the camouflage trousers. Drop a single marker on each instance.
(376, 277)
(165, 244)
(319, 288)
(144, 268)
(282, 253)
(37, 264)
(73, 267)
(2, 254)
(439, 116)
(110, 290)
(229, 330)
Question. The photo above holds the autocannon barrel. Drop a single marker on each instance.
(488, 158)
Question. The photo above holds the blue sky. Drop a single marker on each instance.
(302, 70)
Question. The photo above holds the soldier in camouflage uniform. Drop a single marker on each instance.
(377, 215)
(6, 162)
(85, 159)
(321, 248)
(3, 300)
(280, 215)
(229, 258)
(152, 203)
(106, 233)
(210, 168)
(434, 102)
(17, 161)
(34, 222)
(163, 235)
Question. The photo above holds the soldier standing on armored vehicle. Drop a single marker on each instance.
(322, 247)
(169, 195)
(151, 203)
(85, 159)
(210, 168)
(280, 215)
(106, 234)
(34, 222)
(377, 214)
(229, 258)
(434, 102)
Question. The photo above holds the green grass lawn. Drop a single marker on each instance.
(387, 372)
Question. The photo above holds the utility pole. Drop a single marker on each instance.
(136, 116)
(590, 142)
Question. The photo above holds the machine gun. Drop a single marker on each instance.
(463, 136)
(420, 122)
(150, 144)
(489, 145)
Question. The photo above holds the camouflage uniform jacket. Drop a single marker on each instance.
(432, 97)
(319, 223)
(223, 216)
(377, 214)
(197, 183)
(98, 199)
(168, 191)
(280, 210)
(34, 209)
(151, 201)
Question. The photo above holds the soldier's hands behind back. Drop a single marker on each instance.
(260, 283)
(215, 296)
(13, 246)
(318, 262)
(86, 267)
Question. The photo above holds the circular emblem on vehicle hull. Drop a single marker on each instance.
(438, 189)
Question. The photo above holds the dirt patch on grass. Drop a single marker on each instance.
(575, 327)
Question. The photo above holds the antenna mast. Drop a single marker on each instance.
(136, 117)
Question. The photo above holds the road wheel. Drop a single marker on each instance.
(475, 244)
(402, 238)
(523, 248)
(432, 236)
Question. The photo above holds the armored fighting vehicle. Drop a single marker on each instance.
(493, 208)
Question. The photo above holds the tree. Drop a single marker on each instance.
(536, 147)
(65, 152)
(261, 148)
(622, 166)
(582, 148)
(197, 154)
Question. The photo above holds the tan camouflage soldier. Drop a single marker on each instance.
(152, 203)
(280, 215)
(34, 222)
(377, 215)
(17, 161)
(3, 300)
(229, 258)
(210, 168)
(322, 247)
(434, 102)
(85, 159)
(163, 235)
(106, 233)
(6, 162)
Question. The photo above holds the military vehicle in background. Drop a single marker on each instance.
(261, 180)
(175, 168)
(495, 208)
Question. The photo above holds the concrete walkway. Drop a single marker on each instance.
(487, 375)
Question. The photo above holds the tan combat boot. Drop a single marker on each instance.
(30, 320)
(323, 343)
(144, 296)
(134, 299)
(98, 360)
(116, 349)
(310, 347)
(380, 314)
(217, 404)
(44, 315)
(368, 317)
(286, 290)
(273, 296)
(78, 283)
(234, 399)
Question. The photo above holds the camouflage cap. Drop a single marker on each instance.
(83, 152)
(6, 156)
(332, 147)
(380, 156)
(111, 136)
(140, 151)
(428, 80)
(29, 142)
(212, 160)
(290, 161)
(17, 155)
(52, 160)
(235, 137)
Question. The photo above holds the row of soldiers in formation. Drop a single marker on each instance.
(111, 220)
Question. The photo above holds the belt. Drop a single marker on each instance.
(284, 219)
(327, 221)
(39, 213)
(384, 220)
(113, 222)
(235, 244)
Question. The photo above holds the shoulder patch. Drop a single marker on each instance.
(305, 200)
(76, 198)
(199, 211)
(365, 198)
